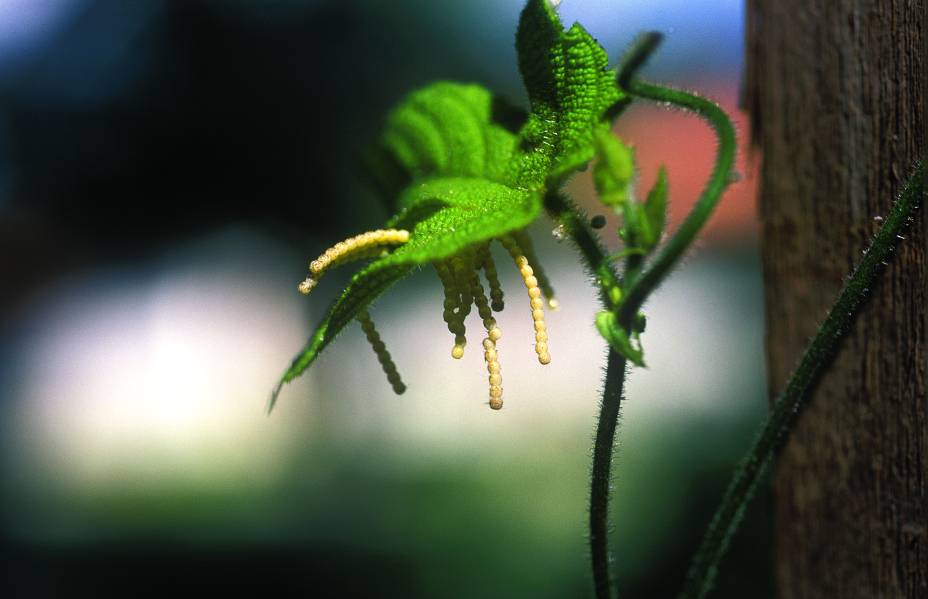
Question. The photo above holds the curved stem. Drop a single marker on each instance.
(641, 49)
(639, 287)
(797, 394)
(633, 59)
(602, 477)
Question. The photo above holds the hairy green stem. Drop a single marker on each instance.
(576, 225)
(639, 287)
(797, 394)
(638, 53)
(601, 478)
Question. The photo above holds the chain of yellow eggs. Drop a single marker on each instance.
(460, 278)
(359, 247)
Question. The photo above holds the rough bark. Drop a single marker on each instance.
(837, 95)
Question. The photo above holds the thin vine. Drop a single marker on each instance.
(798, 391)
(640, 287)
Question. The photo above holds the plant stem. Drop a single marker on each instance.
(577, 226)
(797, 394)
(639, 287)
(575, 223)
(602, 477)
(638, 53)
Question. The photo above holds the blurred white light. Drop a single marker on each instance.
(165, 379)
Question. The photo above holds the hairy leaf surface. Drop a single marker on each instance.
(570, 91)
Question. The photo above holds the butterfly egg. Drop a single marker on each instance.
(483, 308)
(528, 250)
(365, 245)
(307, 285)
(494, 333)
(489, 269)
(491, 357)
(451, 313)
(354, 252)
(462, 267)
(383, 356)
(535, 301)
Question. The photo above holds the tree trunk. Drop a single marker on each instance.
(837, 93)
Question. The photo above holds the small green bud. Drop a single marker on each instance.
(615, 295)
(608, 327)
(614, 170)
(654, 211)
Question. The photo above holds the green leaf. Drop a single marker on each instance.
(655, 211)
(450, 129)
(447, 129)
(618, 339)
(364, 288)
(614, 170)
(446, 215)
(538, 40)
(570, 92)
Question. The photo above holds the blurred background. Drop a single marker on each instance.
(167, 168)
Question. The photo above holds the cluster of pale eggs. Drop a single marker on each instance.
(460, 277)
